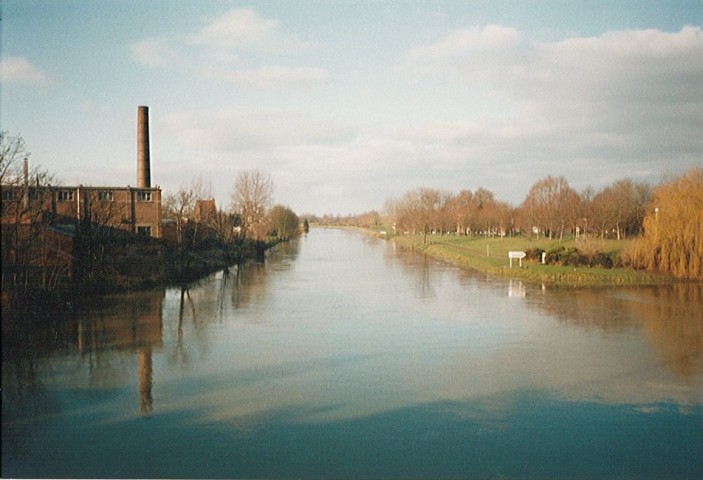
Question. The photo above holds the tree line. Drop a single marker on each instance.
(551, 209)
(664, 221)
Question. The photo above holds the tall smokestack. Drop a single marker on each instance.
(26, 172)
(143, 167)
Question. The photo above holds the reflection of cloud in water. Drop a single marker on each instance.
(405, 332)
(464, 341)
(369, 385)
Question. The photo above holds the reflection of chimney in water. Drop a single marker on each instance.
(143, 167)
(146, 401)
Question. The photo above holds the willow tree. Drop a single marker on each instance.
(673, 238)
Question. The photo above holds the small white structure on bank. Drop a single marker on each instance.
(518, 255)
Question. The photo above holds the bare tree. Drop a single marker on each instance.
(550, 204)
(29, 259)
(284, 222)
(621, 206)
(227, 226)
(427, 209)
(462, 206)
(251, 197)
(180, 205)
(202, 189)
(98, 232)
(586, 212)
(484, 213)
(602, 206)
(12, 152)
(419, 210)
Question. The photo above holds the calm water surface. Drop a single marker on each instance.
(342, 357)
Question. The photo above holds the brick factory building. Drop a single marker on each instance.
(56, 228)
(136, 210)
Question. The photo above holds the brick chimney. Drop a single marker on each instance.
(143, 162)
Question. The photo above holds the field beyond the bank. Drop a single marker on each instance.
(490, 255)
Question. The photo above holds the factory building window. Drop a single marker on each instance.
(8, 194)
(144, 231)
(105, 196)
(65, 195)
(35, 193)
(144, 196)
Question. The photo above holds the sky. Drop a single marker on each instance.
(347, 103)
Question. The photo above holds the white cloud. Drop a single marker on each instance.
(621, 96)
(318, 164)
(237, 28)
(623, 104)
(236, 130)
(214, 53)
(21, 70)
(625, 66)
(646, 65)
(270, 77)
(467, 41)
(244, 28)
(154, 52)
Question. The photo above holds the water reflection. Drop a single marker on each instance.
(132, 324)
(81, 350)
(516, 289)
(451, 337)
(670, 316)
(673, 323)
(146, 381)
(341, 356)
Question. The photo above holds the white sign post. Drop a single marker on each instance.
(518, 255)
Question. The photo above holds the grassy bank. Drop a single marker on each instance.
(490, 255)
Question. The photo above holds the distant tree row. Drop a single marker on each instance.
(665, 221)
(551, 208)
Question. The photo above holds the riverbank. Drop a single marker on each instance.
(490, 255)
(133, 267)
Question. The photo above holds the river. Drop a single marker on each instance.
(342, 356)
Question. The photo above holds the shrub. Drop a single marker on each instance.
(601, 259)
(573, 257)
(534, 254)
(554, 255)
